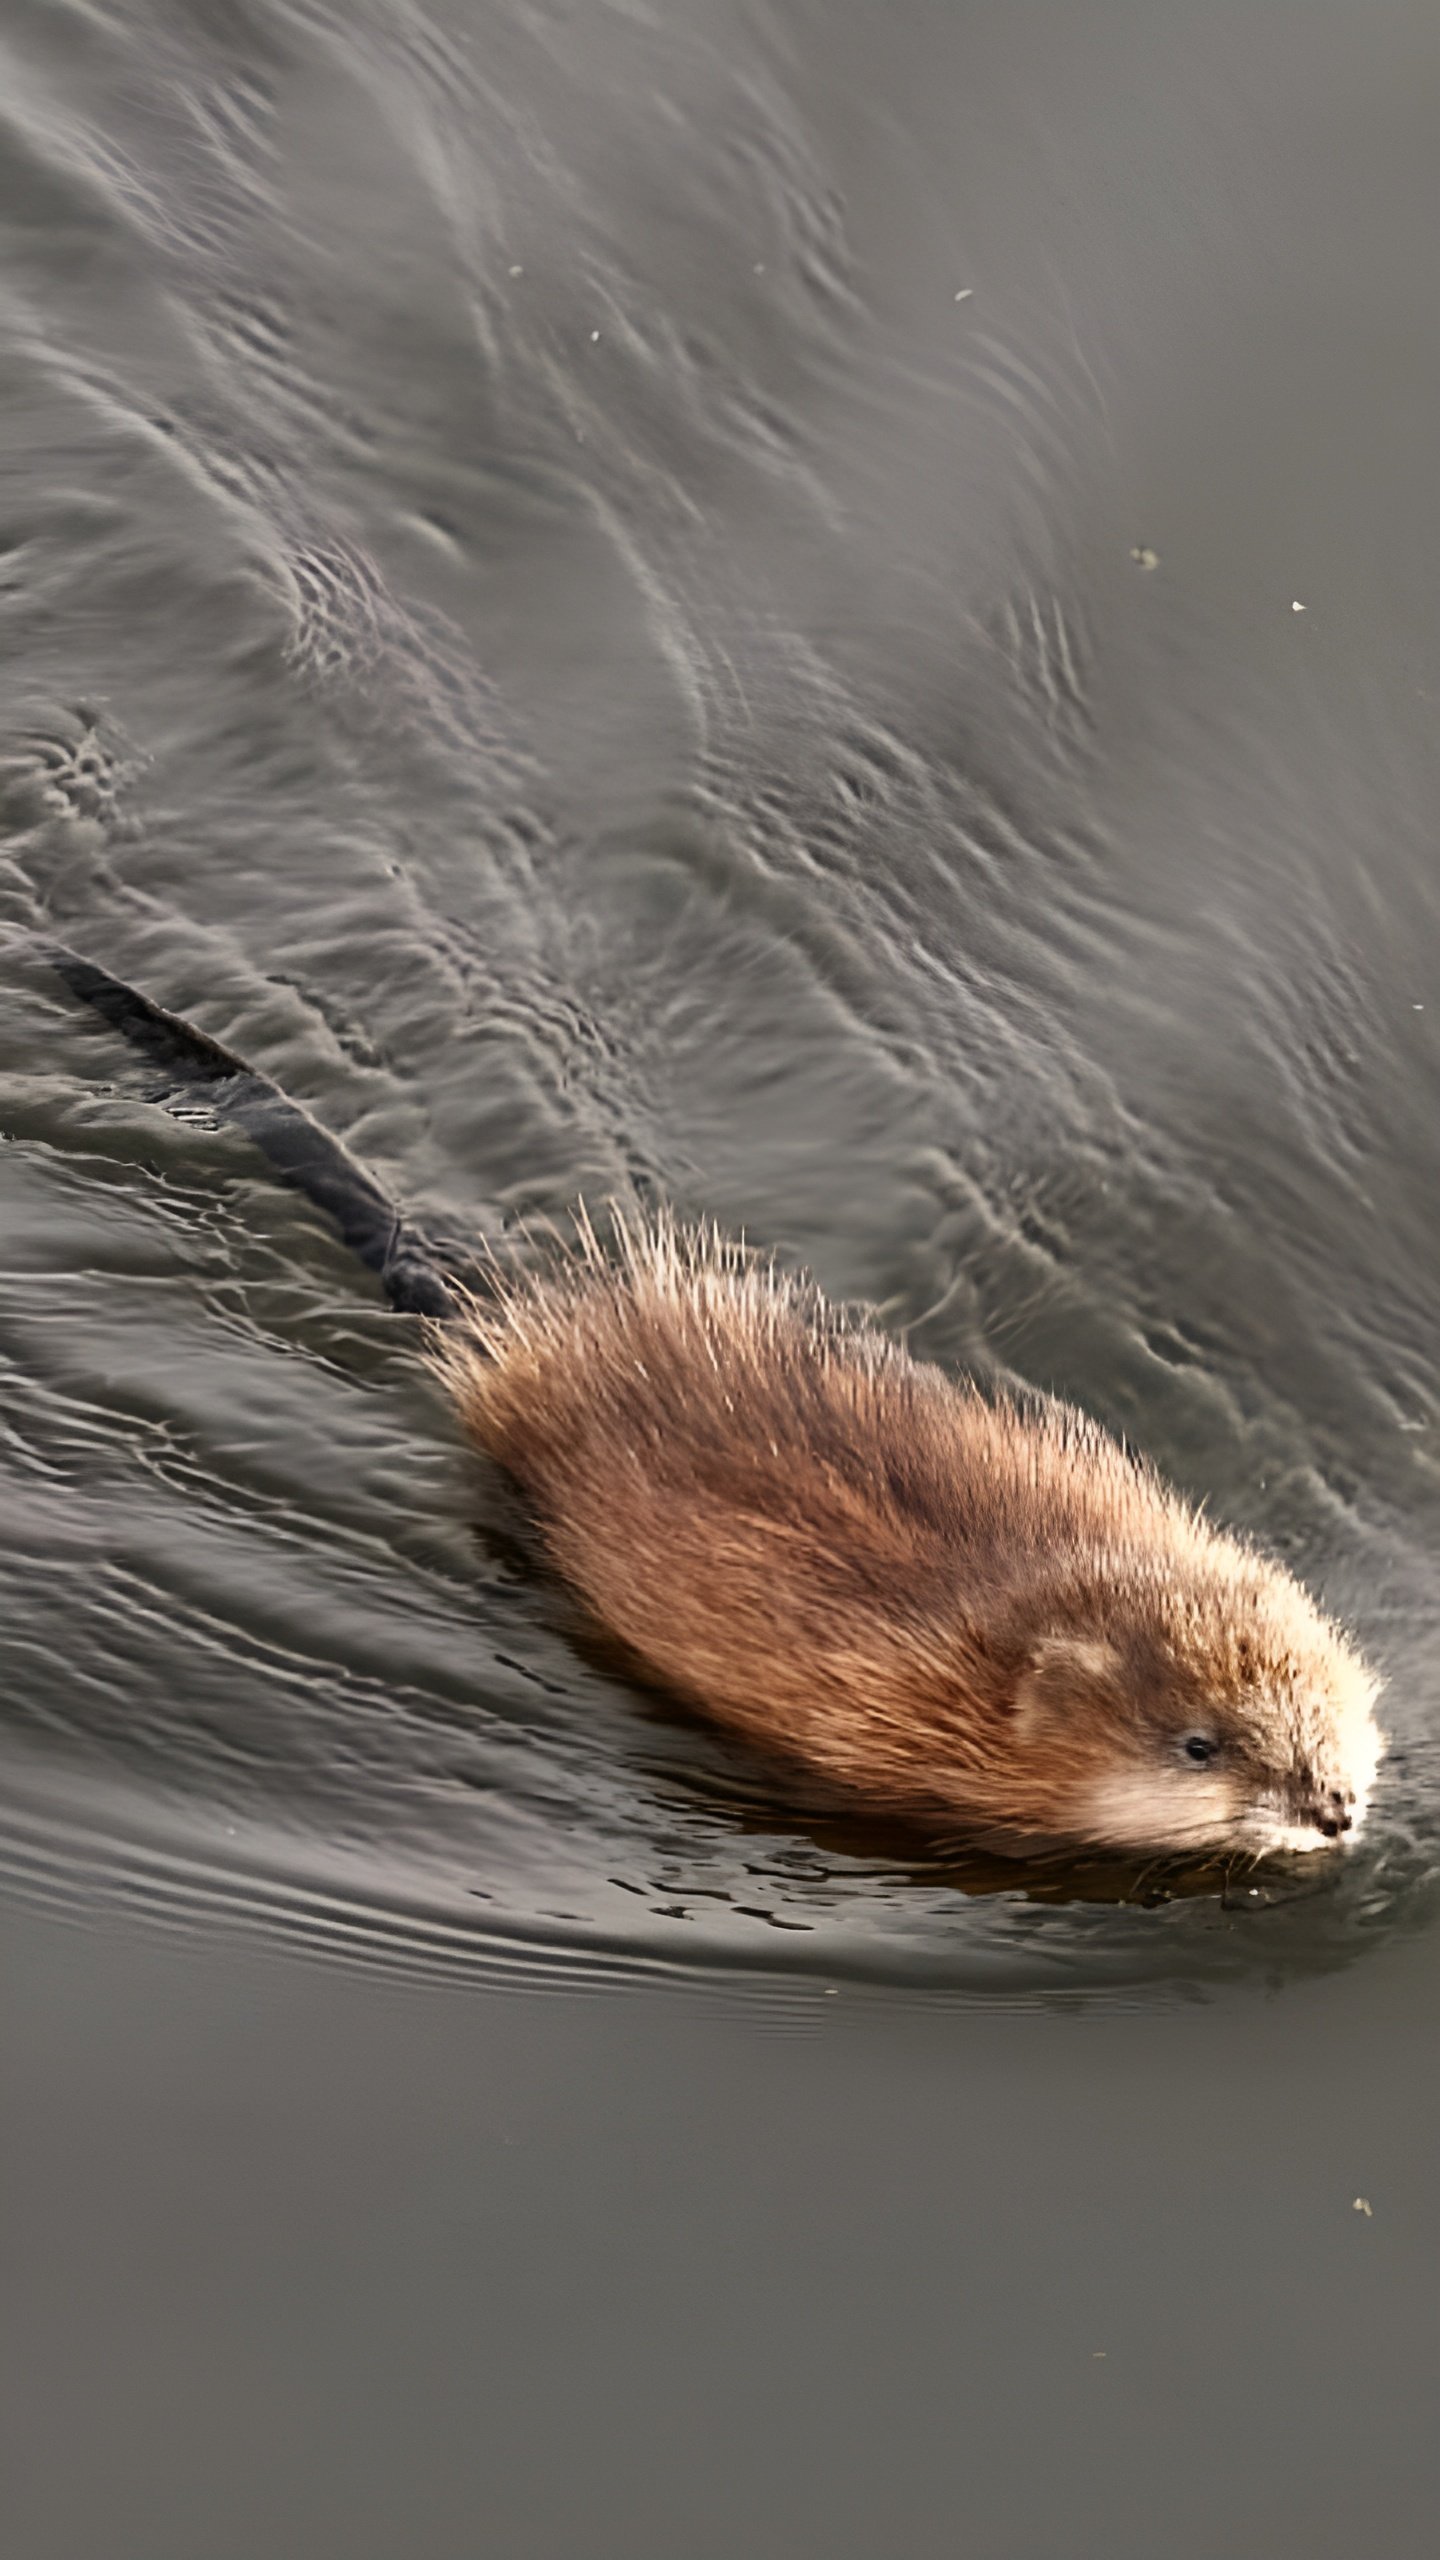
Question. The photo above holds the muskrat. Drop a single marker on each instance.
(982, 1614)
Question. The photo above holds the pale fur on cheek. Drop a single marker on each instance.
(1288, 1839)
(1145, 1809)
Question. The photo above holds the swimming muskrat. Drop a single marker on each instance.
(982, 1614)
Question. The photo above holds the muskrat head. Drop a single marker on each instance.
(1232, 1720)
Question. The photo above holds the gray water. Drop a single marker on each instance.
(828, 613)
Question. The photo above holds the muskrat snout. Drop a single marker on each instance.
(1330, 1811)
(1332, 1814)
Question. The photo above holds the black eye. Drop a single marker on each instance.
(1200, 1748)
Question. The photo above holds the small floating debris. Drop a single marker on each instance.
(517, 271)
(1296, 606)
(594, 337)
(1143, 556)
(964, 293)
(1362, 2205)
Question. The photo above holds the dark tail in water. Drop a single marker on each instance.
(303, 1154)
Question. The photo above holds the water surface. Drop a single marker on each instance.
(828, 614)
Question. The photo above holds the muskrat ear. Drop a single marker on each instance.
(1062, 1672)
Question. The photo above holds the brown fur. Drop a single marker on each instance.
(987, 1616)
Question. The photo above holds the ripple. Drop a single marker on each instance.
(591, 702)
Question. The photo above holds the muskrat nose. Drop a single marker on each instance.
(1332, 1815)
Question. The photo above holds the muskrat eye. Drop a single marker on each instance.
(1200, 1748)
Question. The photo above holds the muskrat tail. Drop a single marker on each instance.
(407, 1264)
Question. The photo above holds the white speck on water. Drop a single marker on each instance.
(964, 293)
(517, 271)
(1362, 2205)
(1297, 607)
(1417, 1008)
(1144, 557)
(594, 337)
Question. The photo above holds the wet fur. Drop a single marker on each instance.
(964, 1611)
